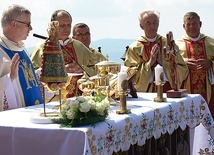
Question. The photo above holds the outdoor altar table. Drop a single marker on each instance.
(19, 136)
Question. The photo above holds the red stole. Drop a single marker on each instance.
(147, 53)
(148, 47)
(196, 50)
(69, 54)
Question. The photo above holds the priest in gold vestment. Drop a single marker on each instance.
(77, 57)
(81, 32)
(147, 51)
(197, 50)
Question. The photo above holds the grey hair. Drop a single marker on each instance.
(191, 15)
(12, 12)
(150, 11)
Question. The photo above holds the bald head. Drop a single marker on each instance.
(65, 20)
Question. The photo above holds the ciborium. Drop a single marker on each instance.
(106, 75)
(83, 79)
(87, 88)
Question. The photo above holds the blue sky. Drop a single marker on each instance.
(116, 18)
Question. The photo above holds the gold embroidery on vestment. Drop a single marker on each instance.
(28, 74)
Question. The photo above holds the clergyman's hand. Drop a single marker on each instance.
(191, 63)
(154, 54)
(159, 58)
(203, 64)
(14, 66)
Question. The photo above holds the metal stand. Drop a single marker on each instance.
(159, 97)
(123, 109)
(46, 114)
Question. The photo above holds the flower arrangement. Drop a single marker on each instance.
(83, 110)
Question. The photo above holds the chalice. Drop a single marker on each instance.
(106, 71)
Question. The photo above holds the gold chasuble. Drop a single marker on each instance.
(199, 81)
(137, 58)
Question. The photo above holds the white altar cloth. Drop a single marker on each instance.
(19, 136)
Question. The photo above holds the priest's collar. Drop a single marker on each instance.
(195, 39)
(15, 46)
(152, 39)
(63, 43)
(18, 44)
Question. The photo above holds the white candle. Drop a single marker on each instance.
(121, 77)
(158, 71)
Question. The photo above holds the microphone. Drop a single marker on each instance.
(40, 36)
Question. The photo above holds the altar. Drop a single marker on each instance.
(148, 119)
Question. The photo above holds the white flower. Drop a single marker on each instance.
(85, 107)
(92, 103)
(74, 104)
(81, 98)
(100, 109)
(70, 114)
(71, 104)
(74, 107)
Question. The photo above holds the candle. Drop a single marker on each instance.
(121, 77)
(158, 72)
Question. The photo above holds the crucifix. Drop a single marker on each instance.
(171, 52)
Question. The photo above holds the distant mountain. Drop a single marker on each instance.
(115, 48)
